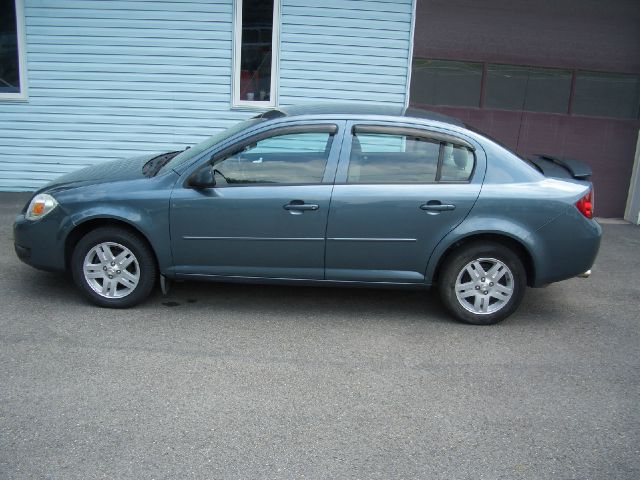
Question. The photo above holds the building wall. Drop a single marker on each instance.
(584, 34)
(589, 35)
(345, 50)
(112, 79)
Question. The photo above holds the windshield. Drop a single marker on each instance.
(208, 143)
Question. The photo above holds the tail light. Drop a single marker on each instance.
(585, 204)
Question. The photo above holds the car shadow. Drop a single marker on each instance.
(304, 301)
(301, 302)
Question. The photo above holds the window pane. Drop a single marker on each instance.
(283, 159)
(440, 82)
(377, 158)
(9, 66)
(606, 95)
(512, 87)
(255, 56)
(548, 90)
(457, 163)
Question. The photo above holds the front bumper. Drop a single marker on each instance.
(23, 253)
(40, 243)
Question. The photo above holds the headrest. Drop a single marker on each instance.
(461, 157)
(356, 148)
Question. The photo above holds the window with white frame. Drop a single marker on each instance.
(255, 53)
(12, 62)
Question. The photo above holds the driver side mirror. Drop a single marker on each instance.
(203, 178)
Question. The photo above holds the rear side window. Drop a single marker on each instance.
(457, 163)
(378, 157)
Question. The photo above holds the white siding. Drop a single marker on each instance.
(111, 79)
(344, 50)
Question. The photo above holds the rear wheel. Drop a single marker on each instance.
(113, 267)
(482, 283)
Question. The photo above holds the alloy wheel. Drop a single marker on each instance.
(484, 286)
(111, 270)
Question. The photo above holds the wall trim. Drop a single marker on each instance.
(236, 101)
(632, 212)
(23, 96)
(412, 32)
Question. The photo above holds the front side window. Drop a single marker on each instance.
(12, 62)
(255, 53)
(296, 158)
(390, 158)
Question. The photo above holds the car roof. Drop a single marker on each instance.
(359, 109)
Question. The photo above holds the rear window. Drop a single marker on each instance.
(521, 165)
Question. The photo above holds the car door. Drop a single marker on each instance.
(266, 215)
(399, 190)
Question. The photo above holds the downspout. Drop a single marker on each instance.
(410, 59)
(632, 212)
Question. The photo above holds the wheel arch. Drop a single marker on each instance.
(90, 224)
(513, 243)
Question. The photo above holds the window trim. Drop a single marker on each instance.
(236, 101)
(409, 132)
(22, 58)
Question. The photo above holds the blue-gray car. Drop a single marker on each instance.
(322, 195)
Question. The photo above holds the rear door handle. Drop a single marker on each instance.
(437, 206)
(298, 206)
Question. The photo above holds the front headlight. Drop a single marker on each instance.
(41, 205)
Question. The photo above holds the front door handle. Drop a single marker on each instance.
(437, 206)
(300, 206)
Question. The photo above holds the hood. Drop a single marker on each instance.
(103, 172)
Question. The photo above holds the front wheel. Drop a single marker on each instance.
(483, 283)
(113, 267)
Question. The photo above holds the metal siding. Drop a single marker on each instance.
(114, 79)
(344, 51)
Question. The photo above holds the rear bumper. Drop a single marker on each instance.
(566, 248)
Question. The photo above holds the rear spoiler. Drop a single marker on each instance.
(562, 167)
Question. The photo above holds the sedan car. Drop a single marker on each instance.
(322, 195)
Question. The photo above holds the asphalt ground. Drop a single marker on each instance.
(236, 381)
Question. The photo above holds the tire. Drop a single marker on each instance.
(482, 283)
(118, 258)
